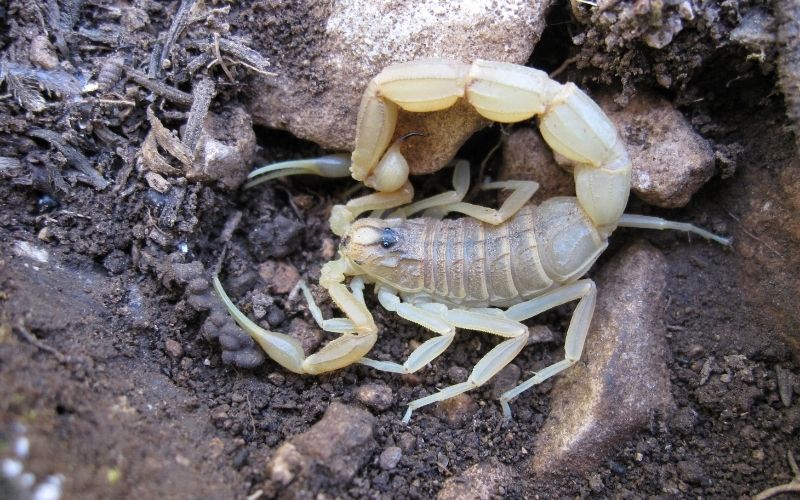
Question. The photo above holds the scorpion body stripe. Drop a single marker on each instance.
(527, 272)
(498, 269)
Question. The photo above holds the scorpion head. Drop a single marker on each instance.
(372, 243)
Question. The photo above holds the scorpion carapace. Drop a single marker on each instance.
(486, 272)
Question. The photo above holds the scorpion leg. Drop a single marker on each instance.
(491, 363)
(441, 204)
(647, 222)
(522, 192)
(354, 343)
(430, 318)
(343, 215)
(584, 290)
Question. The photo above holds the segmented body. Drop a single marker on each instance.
(467, 263)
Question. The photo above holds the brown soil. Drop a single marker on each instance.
(103, 362)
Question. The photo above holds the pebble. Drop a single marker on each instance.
(224, 149)
(309, 336)
(375, 395)
(597, 405)
(174, 348)
(358, 43)
(786, 381)
(340, 444)
(482, 481)
(390, 457)
(42, 53)
(457, 409)
(281, 277)
(506, 379)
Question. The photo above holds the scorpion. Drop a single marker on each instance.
(486, 272)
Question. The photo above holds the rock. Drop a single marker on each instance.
(692, 473)
(599, 404)
(280, 277)
(527, 157)
(173, 348)
(309, 336)
(670, 161)
(457, 409)
(505, 380)
(224, 150)
(327, 455)
(479, 482)
(390, 457)
(42, 53)
(275, 237)
(376, 396)
(320, 78)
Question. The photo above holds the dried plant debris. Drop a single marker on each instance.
(27, 84)
(86, 172)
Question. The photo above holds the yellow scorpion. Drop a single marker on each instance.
(487, 272)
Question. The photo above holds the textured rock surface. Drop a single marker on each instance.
(328, 454)
(623, 378)
(318, 86)
(670, 161)
(479, 482)
(224, 151)
(527, 157)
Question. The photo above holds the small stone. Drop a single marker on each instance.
(407, 441)
(275, 237)
(359, 43)
(479, 482)
(310, 337)
(540, 334)
(281, 277)
(527, 157)
(597, 405)
(328, 251)
(692, 473)
(670, 160)
(457, 409)
(375, 395)
(42, 53)
(457, 374)
(758, 455)
(276, 379)
(684, 420)
(224, 150)
(505, 380)
(786, 381)
(338, 445)
(173, 348)
(390, 457)
(596, 483)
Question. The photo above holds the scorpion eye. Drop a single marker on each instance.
(388, 238)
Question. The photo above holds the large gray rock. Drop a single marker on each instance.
(622, 380)
(319, 79)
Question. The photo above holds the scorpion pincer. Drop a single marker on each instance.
(487, 272)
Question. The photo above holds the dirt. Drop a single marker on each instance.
(102, 355)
